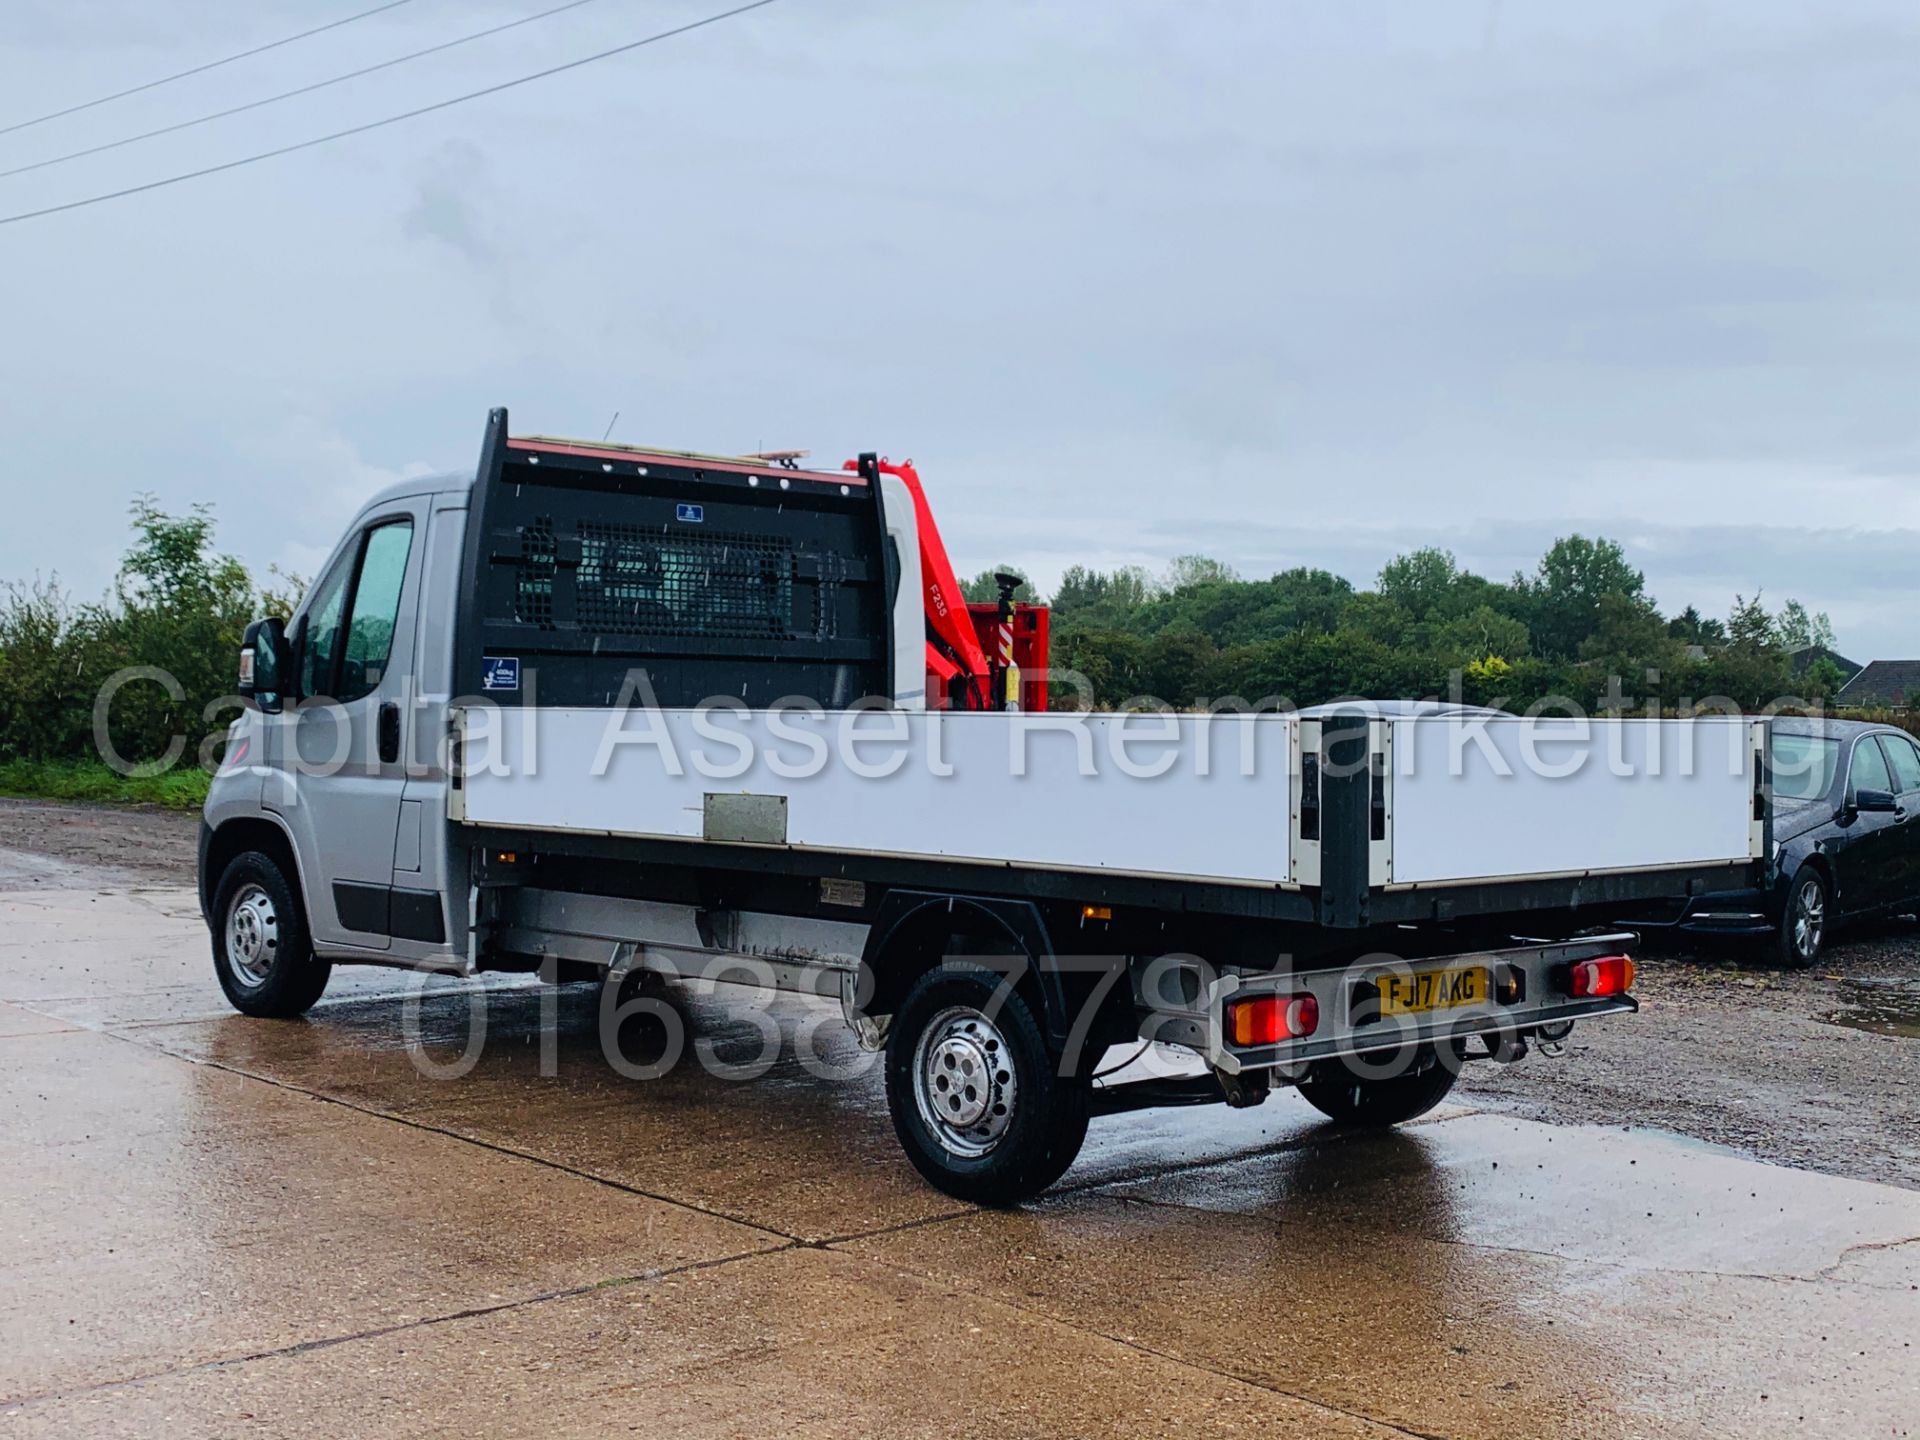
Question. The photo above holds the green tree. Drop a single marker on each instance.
(1797, 629)
(1482, 633)
(1232, 611)
(1690, 627)
(1630, 657)
(1750, 629)
(1179, 667)
(1382, 620)
(1421, 582)
(1562, 597)
(282, 594)
(183, 607)
(983, 589)
(49, 662)
(1190, 570)
(1110, 665)
(1752, 668)
(178, 606)
(1822, 679)
(1304, 598)
(1102, 599)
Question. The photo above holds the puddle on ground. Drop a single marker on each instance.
(1883, 1007)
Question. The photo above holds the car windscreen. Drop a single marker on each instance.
(1803, 766)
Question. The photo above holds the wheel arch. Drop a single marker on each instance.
(912, 933)
(1821, 864)
(1818, 861)
(236, 837)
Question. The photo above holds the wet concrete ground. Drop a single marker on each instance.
(215, 1225)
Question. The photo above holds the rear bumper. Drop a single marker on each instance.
(1386, 1035)
(1534, 976)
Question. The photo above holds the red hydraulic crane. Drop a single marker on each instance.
(960, 637)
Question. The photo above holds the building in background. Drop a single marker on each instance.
(1808, 655)
(1882, 685)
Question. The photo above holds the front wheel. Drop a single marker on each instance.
(1375, 1102)
(261, 950)
(1803, 924)
(977, 1096)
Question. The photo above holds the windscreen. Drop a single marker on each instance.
(1803, 766)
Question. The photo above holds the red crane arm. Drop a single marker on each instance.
(952, 647)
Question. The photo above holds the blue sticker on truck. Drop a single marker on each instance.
(692, 514)
(500, 672)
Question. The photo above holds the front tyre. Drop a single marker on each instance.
(1376, 1102)
(976, 1093)
(1805, 921)
(261, 950)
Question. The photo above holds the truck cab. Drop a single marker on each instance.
(337, 771)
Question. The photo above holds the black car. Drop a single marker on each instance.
(1846, 830)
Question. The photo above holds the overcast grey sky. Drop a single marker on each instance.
(1286, 283)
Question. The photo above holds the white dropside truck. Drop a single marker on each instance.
(594, 710)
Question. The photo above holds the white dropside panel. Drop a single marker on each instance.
(1484, 799)
(1201, 796)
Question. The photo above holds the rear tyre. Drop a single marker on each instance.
(638, 1005)
(1805, 920)
(262, 952)
(975, 1091)
(1375, 1103)
(1067, 1134)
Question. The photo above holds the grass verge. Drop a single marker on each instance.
(183, 788)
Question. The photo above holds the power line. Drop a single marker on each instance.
(290, 94)
(387, 120)
(201, 69)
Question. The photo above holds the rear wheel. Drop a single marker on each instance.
(1805, 921)
(638, 1018)
(976, 1093)
(261, 950)
(1376, 1102)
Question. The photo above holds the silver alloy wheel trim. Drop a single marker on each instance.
(253, 936)
(1809, 918)
(963, 1081)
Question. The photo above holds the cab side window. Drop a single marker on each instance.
(1870, 767)
(320, 641)
(376, 606)
(1904, 756)
(348, 638)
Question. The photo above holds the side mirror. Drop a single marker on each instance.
(264, 662)
(1870, 802)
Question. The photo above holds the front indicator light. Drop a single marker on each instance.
(1601, 977)
(1269, 1019)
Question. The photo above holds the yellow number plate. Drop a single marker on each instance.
(1432, 990)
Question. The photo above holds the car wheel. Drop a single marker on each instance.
(1376, 1102)
(975, 1091)
(261, 950)
(1805, 921)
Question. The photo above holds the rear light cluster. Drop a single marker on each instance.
(1595, 979)
(1269, 1019)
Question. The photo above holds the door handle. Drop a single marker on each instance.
(389, 727)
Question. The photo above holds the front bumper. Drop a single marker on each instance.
(1729, 912)
(203, 882)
